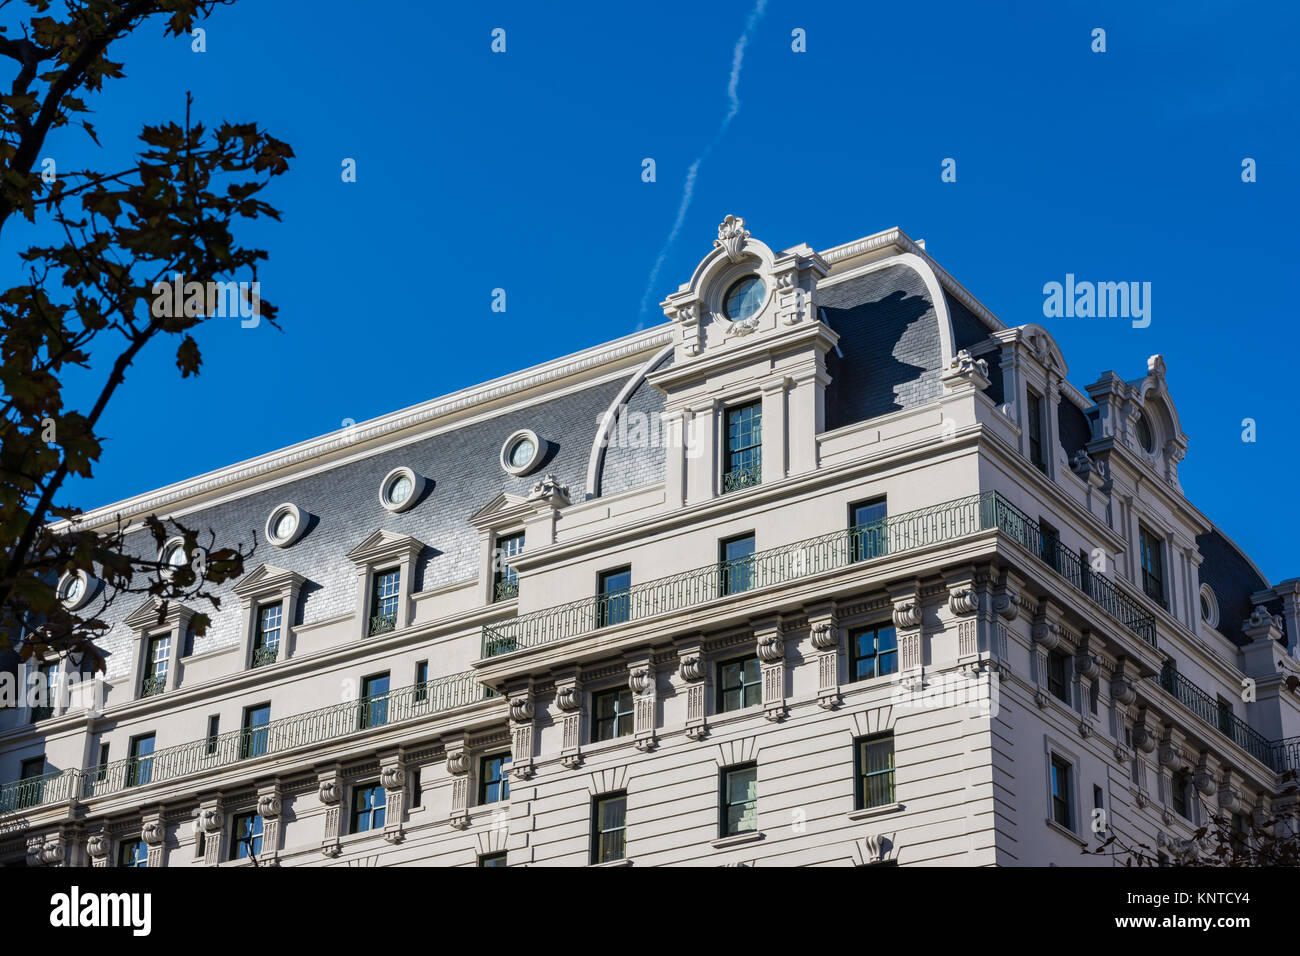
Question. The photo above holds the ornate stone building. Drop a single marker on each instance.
(831, 568)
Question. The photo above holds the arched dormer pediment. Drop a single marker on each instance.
(742, 290)
(1140, 415)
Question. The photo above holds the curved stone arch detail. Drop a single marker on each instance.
(932, 287)
(610, 419)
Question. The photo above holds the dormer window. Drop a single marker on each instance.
(743, 298)
(1145, 434)
(744, 461)
(1153, 573)
(505, 582)
(156, 664)
(266, 641)
(386, 590)
(1035, 425)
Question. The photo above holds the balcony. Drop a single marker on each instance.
(839, 549)
(1231, 726)
(262, 656)
(153, 686)
(747, 476)
(382, 624)
(279, 736)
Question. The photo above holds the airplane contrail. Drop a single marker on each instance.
(733, 107)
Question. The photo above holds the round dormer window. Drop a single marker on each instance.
(286, 524)
(522, 452)
(400, 489)
(1209, 606)
(173, 553)
(743, 298)
(76, 588)
(1145, 436)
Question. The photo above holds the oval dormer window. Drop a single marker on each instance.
(743, 298)
(1146, 438)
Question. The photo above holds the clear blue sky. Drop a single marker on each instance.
(523, 171)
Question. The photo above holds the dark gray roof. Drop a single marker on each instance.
(889, 337)
(1233, 580)
(624, 468)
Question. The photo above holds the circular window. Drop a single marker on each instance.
(400, 489)
(1146, 438)
(76, 588)
(173, 553)
(1209, 606)
(286, 524)
(522, 452)
(743, 298)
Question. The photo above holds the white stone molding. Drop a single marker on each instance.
(608, 421)
(86, 586)
(97, 848)
(522, 731)
(825, 636)
(392, 777)
(211, 822)
(458, 766)
(541, 448)
(965, 373)
(694, 670)
(642, 679)
(290, 512)
(270, 807)
(263, 586)
(382, 550)
(568, 701)
(330, 793)
(154, 835)
(550, 492)
(153, 619)
(770, 648)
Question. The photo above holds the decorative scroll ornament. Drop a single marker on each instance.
(329, 792)
(568, 699)
(641, 680)
(152, 833)
(1122, 690)
(97, 846)
(457, 762)
(53, 852)
(771, 648)
(1007, 603)
(1183, 851)
(964, 601)
(1087, 664)
(1232, 799)
(521, 709)
(550, 491)
(1046, 633)
(692, 667)
(731, 237)
(268, 806)
(874, 845)
(1081, 464)
(825, 636)
(1204, 782)
(392, 778)
(1170, 754)
(35, 849)
(907, 615)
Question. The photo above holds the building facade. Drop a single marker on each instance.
(831, 568)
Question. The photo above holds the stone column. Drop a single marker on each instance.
(458, 767)
(269, 806)
(568, 701)
(771, 656)
(521, 731)
(330, 793)
(211, 822)
(908, 620)
(694, 670)
(824, 633)
(643, 680)
(701, 469)
(154, 835)
(775, 430)
(97, 846)
(392, 777)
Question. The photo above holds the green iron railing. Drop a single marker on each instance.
(153, 686)
(265, 655)
(1286, 755)
(1227, 723)
(747, 476)
(382, 623)
(828, 552)
(278, 736)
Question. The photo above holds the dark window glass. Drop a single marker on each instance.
(736, 570)
(1225, 716)
(1056, 682)
(613, 605)
(739, 800)
(1050, 544)
(253, 742)
(494, 779)
(246, 836)
(609, 828)
(373, 707)
(492, 859)
(740, 684)
(383, 605)
(31, 789)
(139, 765)
(869, 538)
(421, 681)
(613, 716)
(873, 652)
(46, 690)
(505, 583)
(266, 642)
(368, 805)
(214, 731)
(875, 764)
(1144, 435)
(1035, 425)
(744, 461)
(1153, 568)
(133, 853)
(157, 659)
(1062, 810)
(1098, 798)
(1179, 795)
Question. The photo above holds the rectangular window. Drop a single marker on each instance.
(373, 707)
(505, 583)
(31, 791)
(868, 533)
(1098, 798)
(613, 714)
(421, 681)
(1035, 402)
(1049, 545)
(139, 763)
(613, 603)
(214, 731)
(873, 652)
(46, 690)
(492, 859)
(254, 739)
(368, 803)
(494, 779)
(739, 800)
(383, 602)
(875, 771)
(736, 564)
(1062, 801)
(1225, 717)
(246, 836)
(1153, 565)
(101, 771)
(417, 787)
(744, 461)
(266, 640)
(608, 827)
(740, 684)
(1178, 795)
(133, 853)
(1057, 685)
(156, 661)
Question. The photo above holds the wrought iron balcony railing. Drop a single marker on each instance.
(265, 655)
(279, 736)
(152, 686)
(828, 552)
(506, 590)
(382, 623)
(1227, 723)
(746, 476)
